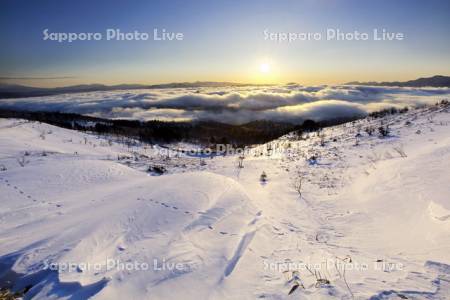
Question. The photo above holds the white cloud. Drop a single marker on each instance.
(289, 103)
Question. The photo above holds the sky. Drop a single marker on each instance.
(223, 40)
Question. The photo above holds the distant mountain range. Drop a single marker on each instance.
(435, 81)
(21, 91)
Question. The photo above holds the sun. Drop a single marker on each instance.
(264, 68)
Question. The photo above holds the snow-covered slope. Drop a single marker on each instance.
(372, 220)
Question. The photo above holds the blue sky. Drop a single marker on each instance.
(223, 41)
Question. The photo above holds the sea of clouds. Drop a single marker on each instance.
(236, 105)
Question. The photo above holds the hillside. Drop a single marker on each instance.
(343, 213)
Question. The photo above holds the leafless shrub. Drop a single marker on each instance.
(263, 177)
(313, 159)
(295, 281)
(369, 130)
(22, 161)
(320, 279)
(341, 273)
(399, 150)
(157, 170)
(384, 131)
(322, 140)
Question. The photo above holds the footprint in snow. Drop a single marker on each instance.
(322, 237)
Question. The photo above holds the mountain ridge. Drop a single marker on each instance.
(434, 81)
(22, 91)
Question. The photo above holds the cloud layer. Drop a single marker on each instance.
(235, 105)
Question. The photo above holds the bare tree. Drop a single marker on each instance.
(241, 161)
(269, 149)
(297, 185)
(322, 140)
(357, 137)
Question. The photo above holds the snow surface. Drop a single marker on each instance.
(372, 221)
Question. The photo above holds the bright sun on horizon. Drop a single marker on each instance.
(264, 68)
